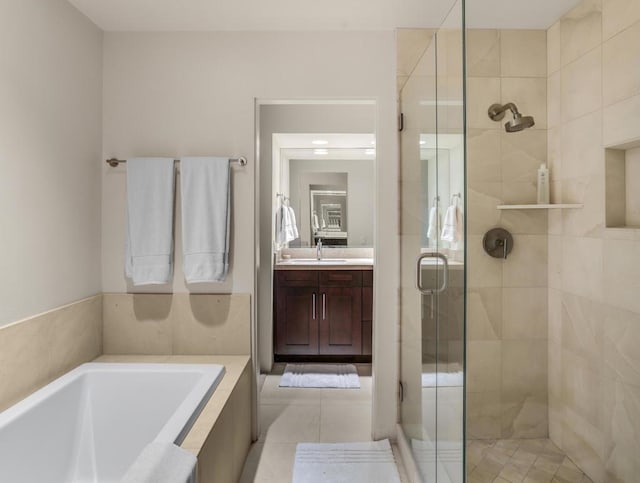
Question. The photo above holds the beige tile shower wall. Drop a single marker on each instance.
(507, 299)
(39, 349)
(177, 324)
(594, 272)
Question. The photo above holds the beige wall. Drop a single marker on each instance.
(174, 94)
(193, 93)
(594, 313)
(507, 299)
(50, 139)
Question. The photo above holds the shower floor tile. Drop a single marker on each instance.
(520, 461)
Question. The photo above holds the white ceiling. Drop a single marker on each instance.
(324, 140)
(278, 15)
(341, 146)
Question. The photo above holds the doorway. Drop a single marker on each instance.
(318, 159)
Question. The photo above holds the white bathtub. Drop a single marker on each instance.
(90, 424)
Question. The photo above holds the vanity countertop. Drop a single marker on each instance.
(325, 264)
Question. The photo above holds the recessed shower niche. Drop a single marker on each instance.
(622, 188)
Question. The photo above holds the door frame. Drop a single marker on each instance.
(385, 337)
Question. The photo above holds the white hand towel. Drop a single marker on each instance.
(282, 221)
(435, 223)
(206, 216)
(453, 226)
(286, 230)
(149, 230)
(294, 225)
(162, 463)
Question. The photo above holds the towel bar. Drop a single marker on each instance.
(113, 162)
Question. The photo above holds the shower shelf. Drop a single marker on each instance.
(551, 206)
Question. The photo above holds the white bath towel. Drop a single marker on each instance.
(149, 230)
(206, 215)
(162, 463)
(285, 226)
(294, 224)
(435, 222)
(281, 234)
(453, 226)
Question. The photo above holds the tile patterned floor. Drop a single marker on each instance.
(516, 461)
(292, 415)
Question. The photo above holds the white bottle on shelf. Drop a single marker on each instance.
(543, 185)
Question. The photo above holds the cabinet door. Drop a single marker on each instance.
(367, 311)
(297, 320)
(367, 320)
(340, 312)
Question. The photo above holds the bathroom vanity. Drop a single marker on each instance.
(323, 309)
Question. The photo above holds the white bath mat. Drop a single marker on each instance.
(343, 376)
(443, 379)
(345, 463)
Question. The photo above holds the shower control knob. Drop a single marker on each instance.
(498, 243)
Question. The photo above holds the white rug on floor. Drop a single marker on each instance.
(444, 379)
(343, 376)
(371, 462)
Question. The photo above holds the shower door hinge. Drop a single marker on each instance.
(401, 122)
(400, 391)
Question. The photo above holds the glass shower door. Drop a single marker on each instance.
(433, 253)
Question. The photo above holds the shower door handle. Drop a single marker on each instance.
(445, 273)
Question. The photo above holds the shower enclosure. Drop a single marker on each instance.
(433, 246)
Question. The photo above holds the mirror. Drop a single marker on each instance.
(442, 184)
(328, 214)
(331, 190)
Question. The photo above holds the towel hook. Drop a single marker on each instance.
(455, 196)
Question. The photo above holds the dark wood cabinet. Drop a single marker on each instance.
(323, 313)
(367, 313)
(296, 320)
(341, 322)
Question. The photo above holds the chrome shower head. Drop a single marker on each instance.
(518, 123)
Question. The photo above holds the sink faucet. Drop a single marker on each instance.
(319, 249)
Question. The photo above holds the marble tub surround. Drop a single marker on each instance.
(221, 436)
(507, 299)
(177, 324)
(37, 350)
(593, 311)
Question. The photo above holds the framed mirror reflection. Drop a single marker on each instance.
(330, 190)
